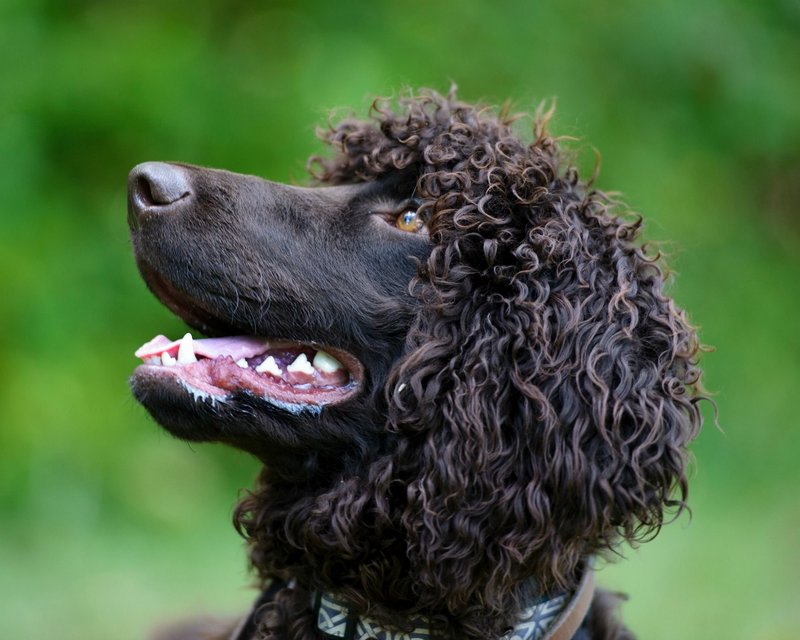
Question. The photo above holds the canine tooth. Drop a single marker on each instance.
(326, 363)
(301, 365)
(186, 350)
(242, 363)
(269, 366)
(167, 360)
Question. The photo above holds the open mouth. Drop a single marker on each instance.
(292, 376)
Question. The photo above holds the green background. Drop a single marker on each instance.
(109, 526)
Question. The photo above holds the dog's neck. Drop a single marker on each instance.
(286, 516)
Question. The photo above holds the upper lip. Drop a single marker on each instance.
(199, 316)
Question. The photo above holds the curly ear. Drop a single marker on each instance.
(549, 390)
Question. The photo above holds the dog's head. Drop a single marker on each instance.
(503, 376)
(303, 293)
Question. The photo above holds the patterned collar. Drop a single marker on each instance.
(335, 622)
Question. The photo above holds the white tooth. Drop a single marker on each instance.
(270, 366)
(326, 363)
(186, 350)
(152, 360)
(242, 363)
(167, 360)
(301, 365)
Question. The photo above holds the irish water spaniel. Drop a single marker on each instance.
(455, 359)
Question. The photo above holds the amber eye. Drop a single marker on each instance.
(408, 221)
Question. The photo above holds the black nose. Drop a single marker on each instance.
(153, 187)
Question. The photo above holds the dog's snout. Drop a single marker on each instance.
(154, 186)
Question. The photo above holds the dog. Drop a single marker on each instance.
(455, 359)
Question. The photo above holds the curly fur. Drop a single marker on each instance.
(540, 411)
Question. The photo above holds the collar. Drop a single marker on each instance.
(557, 618)
(335, 622)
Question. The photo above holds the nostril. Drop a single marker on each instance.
(143, 191)
(153, 185)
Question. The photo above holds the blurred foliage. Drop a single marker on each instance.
(108, 525)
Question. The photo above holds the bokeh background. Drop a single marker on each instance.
(107, 525)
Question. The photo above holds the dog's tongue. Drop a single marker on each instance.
(234, 346)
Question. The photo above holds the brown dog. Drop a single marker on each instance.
(455, 360)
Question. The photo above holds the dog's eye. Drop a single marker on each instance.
(409, 220)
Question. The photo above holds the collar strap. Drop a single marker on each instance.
(555, 618)
(571, 618)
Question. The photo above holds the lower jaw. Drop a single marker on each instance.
(297, 442)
